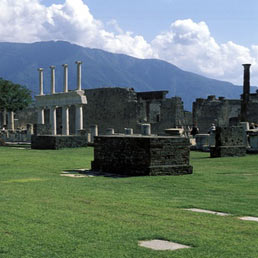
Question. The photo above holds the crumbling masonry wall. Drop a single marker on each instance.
(119, 108)
(214, 110)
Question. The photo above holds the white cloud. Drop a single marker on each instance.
(190, 46)
(187, 44)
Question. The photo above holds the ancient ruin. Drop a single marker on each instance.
(230, 141)
(141, 155)
(225, 112)
(45, 135)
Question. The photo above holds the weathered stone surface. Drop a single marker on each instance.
(42, 129)
(208, 211)
(157, 244)
(230, 141)
(57, 142)
(227, 151)
(214, 110)
(249, 218)
(142, 155)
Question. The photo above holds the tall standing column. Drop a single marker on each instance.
(41, 116)
(53, 119)
(65, 77)
(53, 79)
(65, 120)
(4, 117)
(246, 93)
(79, 75)
(11, 120)
(41, 81)
(78, 118)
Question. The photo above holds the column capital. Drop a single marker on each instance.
(40, 69)
(78, 62)
(65, 65)
(52, 67)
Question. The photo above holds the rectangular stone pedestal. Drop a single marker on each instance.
(57, 142)
(134, 155)
(227, 151)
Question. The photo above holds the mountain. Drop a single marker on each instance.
(19, 63)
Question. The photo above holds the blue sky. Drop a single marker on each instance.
(211, 38)
(228, 20)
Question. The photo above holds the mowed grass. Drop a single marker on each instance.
(43, 214)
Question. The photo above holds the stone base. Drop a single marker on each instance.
(170, 170)
(57, 142)
(141, 155)
(145, 171)
(227, 151)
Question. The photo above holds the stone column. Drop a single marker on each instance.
(65, 77)
(110, 131)
(41, 81)
(93, 132)
(79, 75)
(53, 79)
(146, 129)
(11, 120)
(41, 116)
(246, 93)
(78, 118)
(53, 119)
(4, 117)
(128, 131)
(65, 120)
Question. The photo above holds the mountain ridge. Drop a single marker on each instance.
(19, 63)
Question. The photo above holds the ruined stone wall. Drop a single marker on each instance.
(214, 110)
(171, 115)
(120, 108)
(252, 109)
(111, 108)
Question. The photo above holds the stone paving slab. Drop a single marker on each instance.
(162, 245)
(249, 218)
(208, 211)
(85, 172)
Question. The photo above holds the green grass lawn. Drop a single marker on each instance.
(45, 215)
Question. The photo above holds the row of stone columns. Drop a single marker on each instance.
(65, 108)
(65, 118)
(65, 88)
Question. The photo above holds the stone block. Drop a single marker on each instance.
(230, 142)
(134, 155)
(57, 142)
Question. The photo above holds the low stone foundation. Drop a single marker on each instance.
(57, 142)
(227, 151)
(230, 142)
(134, 155)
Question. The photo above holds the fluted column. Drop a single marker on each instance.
(79, 75)
(53, 79)
(78, 118)
(41, 116)
(65, 77)
(65, 120)
(41, 81)
(53, 119)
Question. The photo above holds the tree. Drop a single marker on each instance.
(13, 96)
